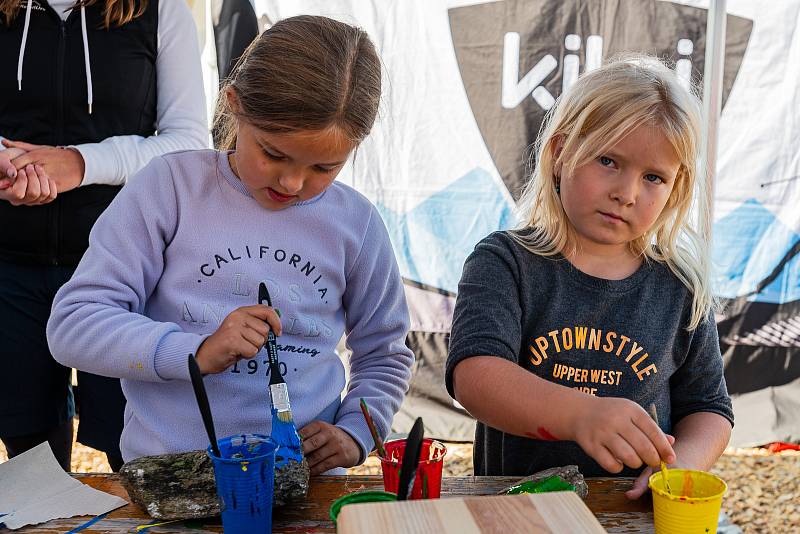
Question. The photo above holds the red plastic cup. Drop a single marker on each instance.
(428, 481)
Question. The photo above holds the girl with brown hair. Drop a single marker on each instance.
(92, 82)
(174, 264)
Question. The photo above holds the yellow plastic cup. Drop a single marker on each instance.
(694, 504)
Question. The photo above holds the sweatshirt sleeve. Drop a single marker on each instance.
(181, 111)
(97, 323)
(377, 322)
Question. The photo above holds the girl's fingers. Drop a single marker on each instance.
(313, 436)
(640, 484)
(247, 345)
(622, 449)
(321, 454)
(607, 460)
(644, 448)
(265, 313)
(19, 188)
(274, 321)
(252, 337)
(656, 437)
(9, 170)
(325, 464)
(258, 325)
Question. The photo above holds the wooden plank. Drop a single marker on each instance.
(535, 514)
(450, 516)
(507, 514)
(566, 512)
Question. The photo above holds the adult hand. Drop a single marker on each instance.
(64, 166)
(31, 187)
(327, 446)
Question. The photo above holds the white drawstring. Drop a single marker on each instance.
(89, 95)
(22, 46)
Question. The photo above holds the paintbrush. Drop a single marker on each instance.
(664, 476)
(408, 469)
(284, 431)
(202, 403)
(372, 429)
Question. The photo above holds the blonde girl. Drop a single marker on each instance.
(569, 327)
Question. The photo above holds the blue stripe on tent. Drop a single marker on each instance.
(748, 244)
(432, 240)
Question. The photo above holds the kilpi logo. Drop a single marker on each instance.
(517, 56)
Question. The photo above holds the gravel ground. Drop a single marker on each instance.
(763, 487)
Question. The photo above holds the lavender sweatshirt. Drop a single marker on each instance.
(182, 246)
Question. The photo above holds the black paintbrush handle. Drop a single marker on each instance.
(271, 343)
(274, 364)
(202, 403)
(408, 469)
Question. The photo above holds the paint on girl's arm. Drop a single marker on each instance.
(543, 434)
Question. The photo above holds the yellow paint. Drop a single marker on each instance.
(692, 506)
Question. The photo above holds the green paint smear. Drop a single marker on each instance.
(553, 483)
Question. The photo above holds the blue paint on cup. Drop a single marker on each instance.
(245, 479)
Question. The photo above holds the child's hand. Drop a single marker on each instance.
(31, 187)
(640, 484)
(617, 431)
(327, 446)
(64, 165)
(7, 170)
(241, 335)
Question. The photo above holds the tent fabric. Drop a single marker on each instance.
(467, 83)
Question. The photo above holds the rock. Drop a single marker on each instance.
(181, 485)
(569, 473)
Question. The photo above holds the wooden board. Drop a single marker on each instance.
(535, 513)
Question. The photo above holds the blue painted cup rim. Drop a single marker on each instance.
(262, 437)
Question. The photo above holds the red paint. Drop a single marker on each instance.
(543, 434)
(547, 436)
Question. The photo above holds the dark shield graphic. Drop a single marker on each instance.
(516, 57)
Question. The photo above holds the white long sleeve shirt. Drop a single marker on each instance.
(181, 111)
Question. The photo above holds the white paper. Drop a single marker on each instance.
(34, 489)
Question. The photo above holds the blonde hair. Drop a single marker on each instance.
(597, 112)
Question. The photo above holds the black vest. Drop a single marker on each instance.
(52, 109)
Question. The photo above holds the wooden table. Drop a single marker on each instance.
(606, 499)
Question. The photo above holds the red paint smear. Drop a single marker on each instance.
(543, 434)
(547, 436)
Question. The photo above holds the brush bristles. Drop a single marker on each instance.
(285, 416)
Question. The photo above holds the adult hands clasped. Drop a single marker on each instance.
(32, 175)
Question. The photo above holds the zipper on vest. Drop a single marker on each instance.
(55, 211)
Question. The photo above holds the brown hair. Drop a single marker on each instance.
(116, 12)
(303, 73)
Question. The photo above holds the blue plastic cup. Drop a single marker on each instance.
(245, 479)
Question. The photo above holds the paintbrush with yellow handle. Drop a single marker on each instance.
(664, 476)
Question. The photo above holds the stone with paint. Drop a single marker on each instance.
(181, 485)
(569, 473)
